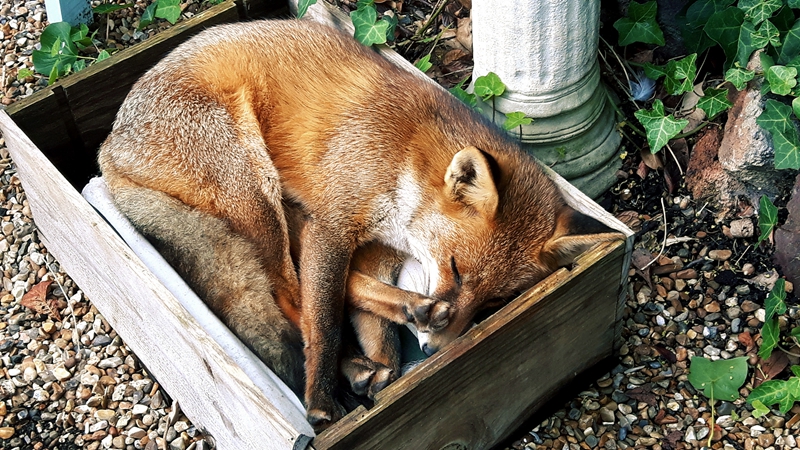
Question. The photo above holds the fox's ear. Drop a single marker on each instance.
(469, 180)
(575, 233)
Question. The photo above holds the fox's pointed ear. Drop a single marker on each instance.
(575, 233)
(469, 180)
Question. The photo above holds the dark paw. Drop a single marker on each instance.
(322, 416)
(367, 377)
(428, 315)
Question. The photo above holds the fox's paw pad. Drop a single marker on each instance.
(430, 315)
(322, 418)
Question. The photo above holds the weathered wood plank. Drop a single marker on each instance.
(214, 392)
(94, 94)
(485, 384)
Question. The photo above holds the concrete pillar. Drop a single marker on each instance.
(545, 51)
(74, 12)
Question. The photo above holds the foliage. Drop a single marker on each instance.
(61, 44)
(784, 393)
(105, 8)
(660, 128)
(640, 25)
(160, 9)
(719, 380)
(489, 86)
(424, 64)
(302, 7)
(679, 74)
(767, 217)
(774, 306)
(516, 119)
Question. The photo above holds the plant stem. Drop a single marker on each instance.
(434, 15)
(493, 109)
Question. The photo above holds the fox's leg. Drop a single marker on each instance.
(375, 362)
(390, 302)
(222, 268)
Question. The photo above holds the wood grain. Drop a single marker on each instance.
(191, 366)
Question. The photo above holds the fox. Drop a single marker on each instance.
(244, 121)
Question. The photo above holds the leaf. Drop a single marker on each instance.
(659, 129)
(796, 107)
(767, 219)
(791, 44)
(795, 332)
(61, 32)
(714, 102)
(759, 10)
(767, 33)
(106, 8)
(79, 65)
(36, 299)
(787, 150)
(516, 119)
(724, 27)
(759, 409)
(770, 334)
(424, 63)
(367, 30)
(782, 393)
(739, 77)
(458, 91)
(24, 73)
(148, 16)
(781, 79)
(794, 3)
(302, 7)
(103, 55)
(796, 370)
(719, 380)
(747, 43)
(488, 86)
(169, 9)
(698, 13)
(777, 117)
(680, 75)
(774, 304)
(640, 25)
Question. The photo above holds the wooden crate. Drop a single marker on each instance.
(472, 394)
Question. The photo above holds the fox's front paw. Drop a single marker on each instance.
(427, 314)
(367, 377)
(323, 412)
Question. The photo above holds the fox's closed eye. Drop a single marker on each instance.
(456, 275)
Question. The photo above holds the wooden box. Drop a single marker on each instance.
(471, 395)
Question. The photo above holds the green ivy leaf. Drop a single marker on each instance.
(770, 334)
(796, 333)
(58, 51)
(640, 25)
(794, 3)
(169, 10)
(796, 370)
(79, 65)
(714, 102)
(780, 392)
(61, 32)
(774, 305)
(747, 43)
(759, 409)
(777, 117)
(739, 77)
(24, 73)
(781, 79)
(791, 44)
(458, 91)
(787, 150)
(719, 380)
(694, 38)
(724, 28)
(488, 86)
(103, 55)
(516, 119)
(679, 74)
(368, 29)
(106, 8)
(424, 63)
(148, 16)
(302, 7)
(767, 219)
(767, 33)
(659, 129)
(759, 10)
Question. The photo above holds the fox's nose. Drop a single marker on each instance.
(428, 349)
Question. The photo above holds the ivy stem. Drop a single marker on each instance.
(711, 426)
(788, 352)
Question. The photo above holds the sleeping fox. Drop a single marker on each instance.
(247, 118)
